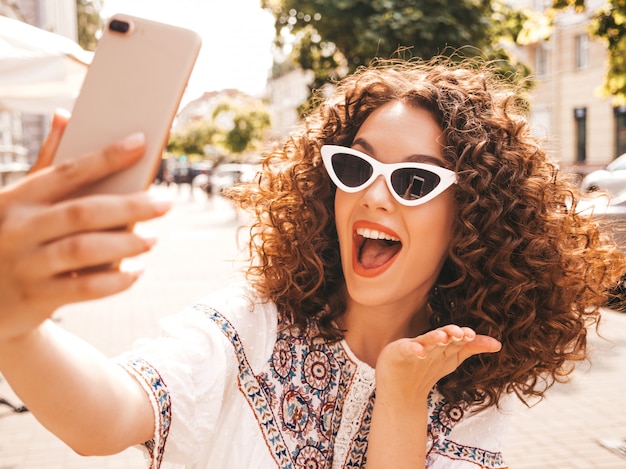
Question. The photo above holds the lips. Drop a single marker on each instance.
(374, 249)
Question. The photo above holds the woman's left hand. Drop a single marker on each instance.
(408, 368)
(406, 371)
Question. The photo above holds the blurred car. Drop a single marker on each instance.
(611, 179)
(611, 212)
(201, 167)
(228, 174)
(183, 173)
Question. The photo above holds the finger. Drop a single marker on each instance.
(412, 349)
(468, 333)
(458, 340)
(440, 336)
(65, 179)
(455, 333)
(423, 345)
(85, 287)
(486, 344)
(101, 212)
(480, 344)
(87, 250)
(51, 143)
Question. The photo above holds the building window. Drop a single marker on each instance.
(541, 60)
(620, 130)
(582, 51)
(580, 115)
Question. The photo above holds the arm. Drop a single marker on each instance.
(76, 392)
(406, 371)
(71, 388)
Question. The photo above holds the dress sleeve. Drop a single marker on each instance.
(190, 370)
(471, 439)
(185, 372)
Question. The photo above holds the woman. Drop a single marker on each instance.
(415, 264)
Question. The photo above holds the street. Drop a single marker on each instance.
(197, 252)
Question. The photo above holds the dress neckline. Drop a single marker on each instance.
(359, 363)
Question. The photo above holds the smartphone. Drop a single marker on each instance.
(134, 83)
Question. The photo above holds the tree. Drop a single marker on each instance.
(234, 126)
(89, 22)
(609, 25)
(334, 37)
(192, 138)
(243, 125)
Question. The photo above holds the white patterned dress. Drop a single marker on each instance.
(232, 390)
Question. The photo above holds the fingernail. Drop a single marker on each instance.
(161, 205)
(149, 241)
(160, 202)
(62, 112)
(134, 141)
(132, 267)
(147, 235)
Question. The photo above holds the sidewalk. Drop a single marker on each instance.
(194, 255)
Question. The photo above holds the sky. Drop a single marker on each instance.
(236, 39)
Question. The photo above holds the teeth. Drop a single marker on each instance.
(375, 234)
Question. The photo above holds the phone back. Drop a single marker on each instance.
(134, 84)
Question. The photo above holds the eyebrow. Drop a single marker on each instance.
(415, 158)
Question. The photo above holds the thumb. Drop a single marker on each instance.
(51, 143)
(480, 344)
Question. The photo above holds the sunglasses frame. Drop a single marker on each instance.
(446, 176)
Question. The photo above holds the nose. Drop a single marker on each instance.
(377, 196)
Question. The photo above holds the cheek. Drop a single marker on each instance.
(433, 228)
(341, 210)
(343, 213)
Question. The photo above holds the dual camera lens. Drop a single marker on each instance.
(119, 26)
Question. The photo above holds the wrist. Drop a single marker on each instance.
(403, 395)
(12, 342)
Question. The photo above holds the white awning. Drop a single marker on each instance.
(39, 71)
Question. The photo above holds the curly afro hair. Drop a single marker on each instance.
(524, 265)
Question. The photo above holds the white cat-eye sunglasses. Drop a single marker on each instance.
(410, 183)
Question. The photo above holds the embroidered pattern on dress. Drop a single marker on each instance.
(150, 376)
(314, 405)
(352, 437)
(301, 402)
(442, 419)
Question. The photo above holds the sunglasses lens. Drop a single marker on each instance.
(413, 183)
(351, 170)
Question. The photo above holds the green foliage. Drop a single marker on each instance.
(191, 138)
(234, 126)
(244, 125)
(609, 24)
(577, 5)
(89, 22)
(334, 37)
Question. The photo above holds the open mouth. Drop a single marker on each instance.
(374, 251)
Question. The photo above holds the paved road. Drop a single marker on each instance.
(197, 252)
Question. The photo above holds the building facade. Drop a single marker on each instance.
(21, 134)
(582, 129)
